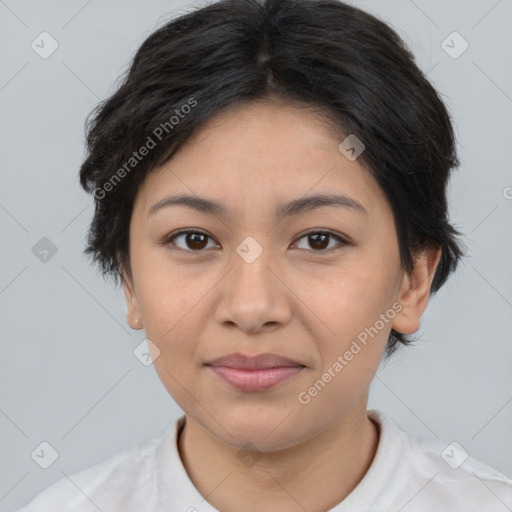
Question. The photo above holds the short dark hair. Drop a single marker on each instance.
(346, 63)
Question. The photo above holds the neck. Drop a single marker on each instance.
(315, 475)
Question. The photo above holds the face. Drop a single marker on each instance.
(309, 284)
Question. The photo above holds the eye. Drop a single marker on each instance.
(196, 241)
(193, 241)
(319, 240)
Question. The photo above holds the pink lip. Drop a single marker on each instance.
(257, 362)
(254, 373)
(255, 380)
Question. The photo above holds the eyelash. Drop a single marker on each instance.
(332, 234)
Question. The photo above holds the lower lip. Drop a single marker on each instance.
(255, 380)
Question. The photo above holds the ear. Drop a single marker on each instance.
(414, 291)
(133, 315)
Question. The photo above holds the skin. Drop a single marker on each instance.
(199, 301)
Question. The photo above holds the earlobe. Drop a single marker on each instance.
(133, 315)
(414, 292)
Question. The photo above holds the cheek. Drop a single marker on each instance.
(166, 292)
(351, 300)
(351, 306)
(173, 303)
(172, 312)
(351, 349)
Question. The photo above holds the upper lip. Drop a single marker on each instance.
(253, 362)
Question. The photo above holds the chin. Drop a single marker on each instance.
(269, 429)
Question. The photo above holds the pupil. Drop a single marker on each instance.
(193, 239)
(324, 237)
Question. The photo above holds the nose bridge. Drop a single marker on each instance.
(252, 296)
(252, 262)
(252, 277)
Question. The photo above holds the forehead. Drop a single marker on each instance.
(254, 155)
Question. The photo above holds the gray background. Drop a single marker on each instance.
(68, 374)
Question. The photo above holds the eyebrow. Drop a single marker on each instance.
(293, 207)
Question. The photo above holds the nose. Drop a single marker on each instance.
(254, 296)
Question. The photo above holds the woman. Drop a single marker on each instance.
(270, 188)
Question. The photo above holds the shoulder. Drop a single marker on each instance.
(443, 474)
(109, 485)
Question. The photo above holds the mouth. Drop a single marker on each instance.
(251, 374)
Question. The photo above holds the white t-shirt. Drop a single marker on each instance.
(408, 474)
